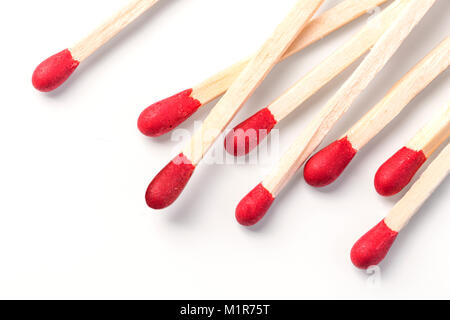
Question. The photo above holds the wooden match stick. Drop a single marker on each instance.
(373, 247)
(254, 206)
(170, 182)
(328, 164)
(54, 71)
(398, 171)
(247, 135)
(167, 114)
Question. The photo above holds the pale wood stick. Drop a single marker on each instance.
(436, 62)
(408, 206)
(430, 137)
(110, 28)
(313, 135)
(335, 63)
(318, 28)
(254, 73)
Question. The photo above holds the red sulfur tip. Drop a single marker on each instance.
(328, 164)
(254, 206)
(52, 73)
(167, 114)
(247, 135)
(397, 171)
(373, 247)
(169, 183)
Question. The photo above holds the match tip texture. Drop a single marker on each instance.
(329, 163)
(169, 183)
(254, 206)
(373, 247)
(247, 135)
(397, 172)
(165, 115)
(54, 71)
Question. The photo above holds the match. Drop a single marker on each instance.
(246, 136)
(397, 172)
(254, 206)
(54, 71)
(329, 163)
(165, 115)
(170, 182)
(373, 247)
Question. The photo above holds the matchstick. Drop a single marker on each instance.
(169, 183)
(254, 206)
(54, 71)
(329, 163)
(247, 135)
(165, 115)
(397, 172)
(373, 247)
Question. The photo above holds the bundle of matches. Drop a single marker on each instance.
(329, 163)
(247, 135)
(373, 247)
(254, 206)
(165, 115)
(54, 71)
(170, 182)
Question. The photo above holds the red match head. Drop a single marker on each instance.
(254, 206)
(52, 73)
(397, 172)
(247, 135)
(328, 164)
(165, 115)
(169, 183)
(373, 247)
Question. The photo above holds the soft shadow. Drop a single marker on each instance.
(274, 211)
(184, 213)
(402, 244)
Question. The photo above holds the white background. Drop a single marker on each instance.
(74, 167)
